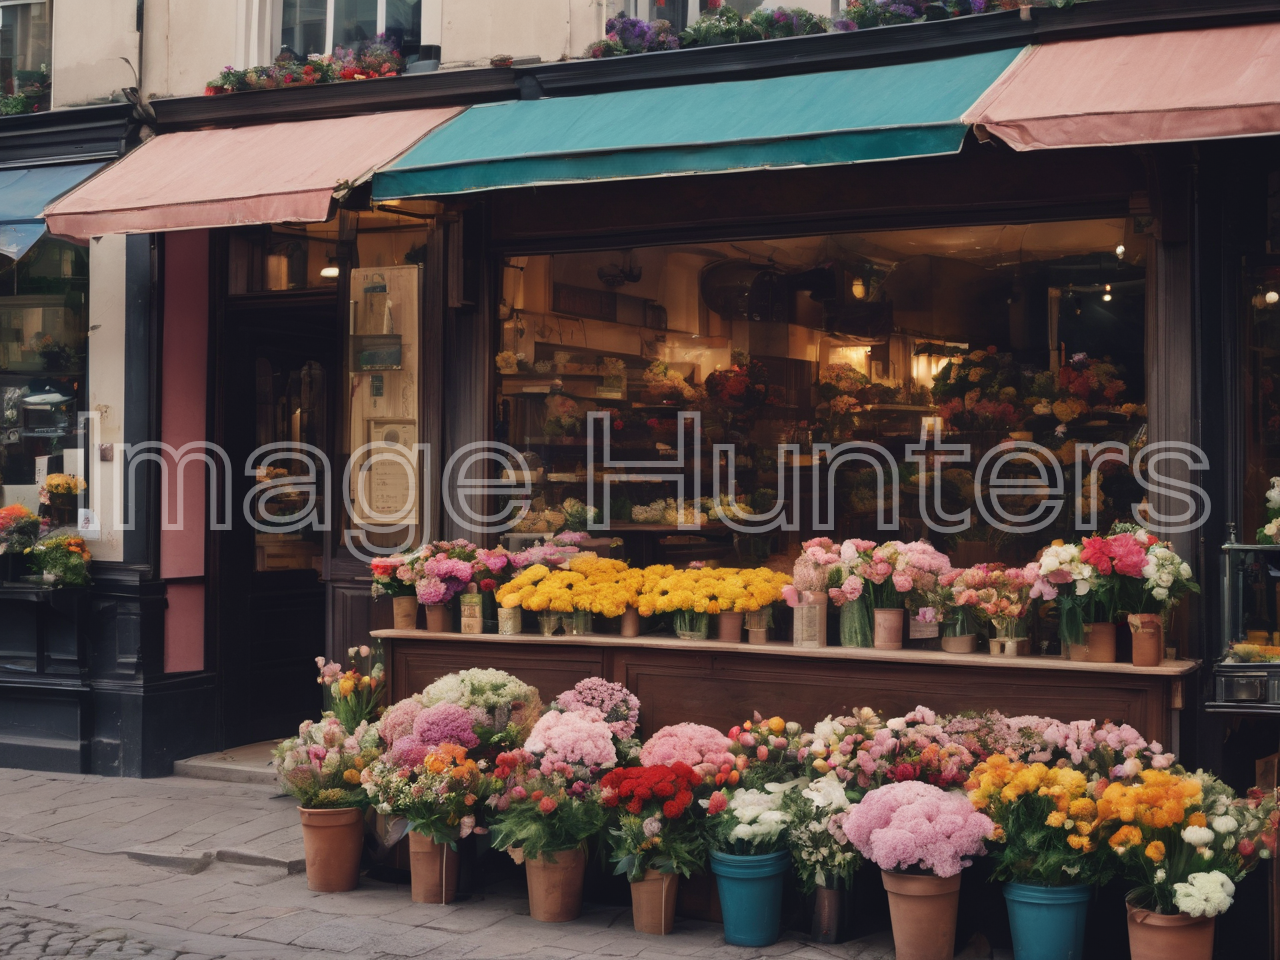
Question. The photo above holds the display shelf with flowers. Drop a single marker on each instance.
(654, 836)
(440, 793)
(61, 561)
(1185, 840)
(19, 531)
(502, 708)
(745, 383)
(747, 834)
(666, 386)
(1045, 850)
(920, 837)
(321, 768)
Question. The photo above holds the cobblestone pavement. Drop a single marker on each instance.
(194, 869)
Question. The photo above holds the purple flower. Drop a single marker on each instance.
(445, 723)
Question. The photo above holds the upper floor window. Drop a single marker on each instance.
(25, 37)
(317, 26)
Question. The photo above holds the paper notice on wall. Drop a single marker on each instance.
(42, 470)
(88, 525)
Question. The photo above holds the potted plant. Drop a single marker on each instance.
(321, 767)
(442, 570)
(1045, 852)
(654, 837)
(920, 837)
(19, 531)
(816, 571)
(892, 572)
(61, 494)
(823, 858)
(1185, 840)
(1002, 597)
(394, 577)
(547, 807)
(61, 561)
(747, 830)
(1086, 602)
(440, 796)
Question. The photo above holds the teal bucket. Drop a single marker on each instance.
(1047, 922)
(751, 896)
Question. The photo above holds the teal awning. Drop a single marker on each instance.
(852, 116)
(24, 193)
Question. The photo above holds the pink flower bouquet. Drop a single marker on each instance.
(703, 748)
(915, 825)
(619, 706)
(893, 571)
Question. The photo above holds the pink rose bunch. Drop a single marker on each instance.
(562, 741)
(894, 569)
(1125, 554)
(998, 594)
(912, 824)
(1109, 750)
(432, 726)
(619, 706)
(705, 749)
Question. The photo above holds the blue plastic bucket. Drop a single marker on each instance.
(751, 896)
(1047, 922)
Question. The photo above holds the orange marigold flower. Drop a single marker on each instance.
(1155, 851)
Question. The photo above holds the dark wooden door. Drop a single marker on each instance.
(277, 374)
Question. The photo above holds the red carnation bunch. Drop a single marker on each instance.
(632, 787)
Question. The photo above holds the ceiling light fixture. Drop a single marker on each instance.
(1120, 251)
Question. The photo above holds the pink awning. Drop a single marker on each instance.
(1154, 88)
(274, 173)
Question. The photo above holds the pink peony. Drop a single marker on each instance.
(703, 748)
(580, 738)
(620, 707)
(398, 719)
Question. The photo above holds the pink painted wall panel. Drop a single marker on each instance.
(184, 628)
(184, 365)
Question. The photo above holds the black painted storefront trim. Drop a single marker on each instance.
(76, 134)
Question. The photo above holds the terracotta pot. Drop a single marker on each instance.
(1148, 639)
(332, 841)
(1099, 644)
(653, 902)
(438, 618)
(888, 635)
(405, 612)
(555, 889)
(923, 912)
(964, 644)
(1158, 936)
(630, 622)
(433, 870)
(730, 627)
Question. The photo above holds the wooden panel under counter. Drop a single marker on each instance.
(706, 681)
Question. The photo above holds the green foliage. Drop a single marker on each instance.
(725, 25)
(679, 847)
(538, 832)
(781, 22)
(64, 561)
(15, 104)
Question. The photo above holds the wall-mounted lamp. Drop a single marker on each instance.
(859, 289)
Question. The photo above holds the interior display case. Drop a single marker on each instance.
(1247, 674)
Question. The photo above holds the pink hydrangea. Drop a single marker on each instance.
(446, 723)
(619, 706)
(913, 824)
(581, 738)
(705, 749)
(398, 719)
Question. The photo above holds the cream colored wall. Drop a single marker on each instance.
(476, 30)
(188, 43)
(106, 385)
(89, 38)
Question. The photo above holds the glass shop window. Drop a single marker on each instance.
(44, 324)
(274, 259)
(989, 333)
(25, 38)
(302, 27)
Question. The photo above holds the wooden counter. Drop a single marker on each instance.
(720, 684)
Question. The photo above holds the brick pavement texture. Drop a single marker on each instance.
(91, 867)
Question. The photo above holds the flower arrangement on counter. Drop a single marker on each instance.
(19, 529)
(443, 569)
(744, 383)
(64, 484)
(1001, 596)
(394, 576)
(323, 764)
(61, 561)
(664, 385)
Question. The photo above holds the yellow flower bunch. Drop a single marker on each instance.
(63, 483)
(720, 590)
(998, 783)
(520, 588)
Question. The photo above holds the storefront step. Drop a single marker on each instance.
(250, 763)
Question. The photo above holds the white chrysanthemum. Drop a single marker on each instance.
(1204, 894)
(1225, 824)
(1197, 836)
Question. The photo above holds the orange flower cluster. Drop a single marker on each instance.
(1160, 800)
(998, 782)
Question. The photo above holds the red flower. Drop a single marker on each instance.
(547, 805)
(536, 795)
(671, 810)
(635, 806)
(618, 425)
(488, 585)
(717, 803)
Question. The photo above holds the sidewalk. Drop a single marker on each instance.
(198, 869)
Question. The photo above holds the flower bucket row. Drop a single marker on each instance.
(1057, 808)
(1127, 576)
